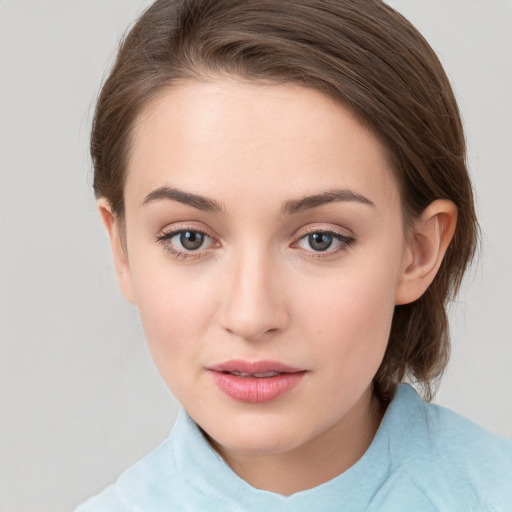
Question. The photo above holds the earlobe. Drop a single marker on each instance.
(426, 249)
(112, 226)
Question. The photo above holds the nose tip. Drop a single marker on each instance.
(250, 328)
(254, 305)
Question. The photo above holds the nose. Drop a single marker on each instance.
(254, 306)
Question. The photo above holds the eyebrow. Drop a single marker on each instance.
(289, 208)
(194, 200)
(331, 196)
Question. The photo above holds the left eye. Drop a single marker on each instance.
(321, 241)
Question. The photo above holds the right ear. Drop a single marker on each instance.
(118, 249)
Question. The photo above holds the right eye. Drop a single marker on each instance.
(185, 243)
(190, 240)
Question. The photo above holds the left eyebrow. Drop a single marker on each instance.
(331, 196)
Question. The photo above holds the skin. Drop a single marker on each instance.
(257, 290)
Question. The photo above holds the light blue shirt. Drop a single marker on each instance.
(423, 458)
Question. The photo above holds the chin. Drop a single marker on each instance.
(257, 435)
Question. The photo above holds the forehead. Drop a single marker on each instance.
(229, 138)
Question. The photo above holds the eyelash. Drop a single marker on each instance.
(345, 242)
(165, 239)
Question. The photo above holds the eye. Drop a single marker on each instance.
(184, 243)
(190, 240)
(320, 241)
(324, 241)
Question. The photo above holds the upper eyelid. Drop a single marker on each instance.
(340, 237)
(302, 232)
(171, 231)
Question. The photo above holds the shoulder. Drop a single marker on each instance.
(150, 484)
(450, 458)
(136, 484)
(106, 501)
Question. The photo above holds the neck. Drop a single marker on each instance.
(316, 462)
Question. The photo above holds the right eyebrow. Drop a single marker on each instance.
(194, 200)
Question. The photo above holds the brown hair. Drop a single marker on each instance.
(363, 54)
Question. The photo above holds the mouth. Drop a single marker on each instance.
(255, 382)
(262, 375)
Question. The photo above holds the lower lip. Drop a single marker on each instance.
(255, 390)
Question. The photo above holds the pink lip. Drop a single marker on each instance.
(255, 389)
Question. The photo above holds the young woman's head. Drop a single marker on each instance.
(281, 182)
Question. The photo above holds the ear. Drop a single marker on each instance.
(425, 250)
(118, 249)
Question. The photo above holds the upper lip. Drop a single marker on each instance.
(239, 365)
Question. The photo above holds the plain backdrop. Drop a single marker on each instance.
(80, 399)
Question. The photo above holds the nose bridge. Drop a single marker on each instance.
(254, 303)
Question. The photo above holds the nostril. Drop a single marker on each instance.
(254, 324)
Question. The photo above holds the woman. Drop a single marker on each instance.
(285, 191)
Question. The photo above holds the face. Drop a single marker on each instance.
(265, 251)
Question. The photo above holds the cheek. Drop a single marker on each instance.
(176, 309)
(350, 317)
(176, 315)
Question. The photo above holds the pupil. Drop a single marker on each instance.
(191, 240)
(320, 241)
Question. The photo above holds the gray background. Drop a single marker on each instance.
(79, 397)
